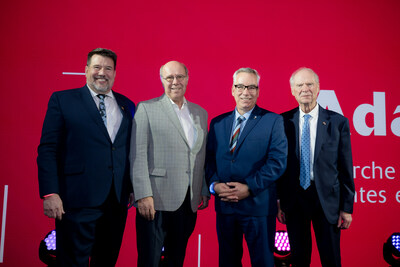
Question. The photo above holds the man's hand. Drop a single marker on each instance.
(344, 220)
(204, 202)
(232, 191)
(53, 207)
(281, 215)
(131, 200)
(146, 208)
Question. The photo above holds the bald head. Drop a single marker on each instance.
(174, 78)
(172, 63)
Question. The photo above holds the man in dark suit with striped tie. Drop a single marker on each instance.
(246, 154)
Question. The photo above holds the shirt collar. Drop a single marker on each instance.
(246, 115)
(175, 105)
(314, 112)
(94, 94)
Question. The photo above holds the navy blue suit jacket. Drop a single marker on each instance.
(333, 165)
(76, 157)
(258, 161)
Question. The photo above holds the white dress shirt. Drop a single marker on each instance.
(114, 115)
(313, 134)
(186, 122)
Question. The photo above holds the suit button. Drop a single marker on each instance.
(113, 148)
(110, 167)
(233, 161)
(187, 172)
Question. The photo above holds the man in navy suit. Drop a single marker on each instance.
(246, 154)
(318, 185)
(84, 167)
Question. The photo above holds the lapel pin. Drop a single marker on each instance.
(122, 108)
(324, 123)
(255, 117)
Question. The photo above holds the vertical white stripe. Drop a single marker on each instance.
(3, 223)
(199, 252)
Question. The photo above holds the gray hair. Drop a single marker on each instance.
(291, 80)
(247, 70)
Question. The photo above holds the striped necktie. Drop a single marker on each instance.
(305, 154)
(235, 134)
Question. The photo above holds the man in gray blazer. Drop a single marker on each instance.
(167, 169)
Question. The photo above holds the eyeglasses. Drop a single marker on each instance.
(250, 88)
(171, 78)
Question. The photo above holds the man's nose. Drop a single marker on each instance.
(246, 90)
(175, 80)
(101, 71)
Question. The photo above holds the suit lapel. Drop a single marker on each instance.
(197, 124)
(171, 114)
(322, 126)
(125, 116)
(90, 106)
(295, 121)
(252, 121)
(227, 128)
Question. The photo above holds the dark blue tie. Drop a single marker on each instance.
(102, 108)
(305, 154)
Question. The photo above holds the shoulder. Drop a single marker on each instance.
(333, 116)
(221, 117)
(67, 96)
(153, 101)
(68, 92)
(125, 100)
(290, 113)
(196, 108)
(152, 105)
(265, 114)
(121, 96)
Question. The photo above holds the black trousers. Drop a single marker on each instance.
(94, 233)
(169, 230)
(298, 221)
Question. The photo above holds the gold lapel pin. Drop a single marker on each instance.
(122, 108)
(324, 123)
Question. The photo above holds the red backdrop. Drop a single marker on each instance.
(352, 45)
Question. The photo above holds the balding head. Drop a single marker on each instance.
(174, 77)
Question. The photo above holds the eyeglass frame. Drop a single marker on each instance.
(246, 87)
(179, 78)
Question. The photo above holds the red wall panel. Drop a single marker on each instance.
(352, 45)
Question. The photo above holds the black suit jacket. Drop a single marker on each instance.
(333, 165)
(76, 157)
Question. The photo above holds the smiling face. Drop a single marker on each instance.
(100, 74)
(305, 88)
(245, 99)
(174, 79)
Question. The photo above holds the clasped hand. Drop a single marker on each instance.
(231, 191)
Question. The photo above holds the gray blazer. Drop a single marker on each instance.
(162, 163)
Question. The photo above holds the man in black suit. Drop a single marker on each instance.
(318, 184)
(83, 165)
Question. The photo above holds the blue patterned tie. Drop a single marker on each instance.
(102, 108)
(305, 154)
(235, 135)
